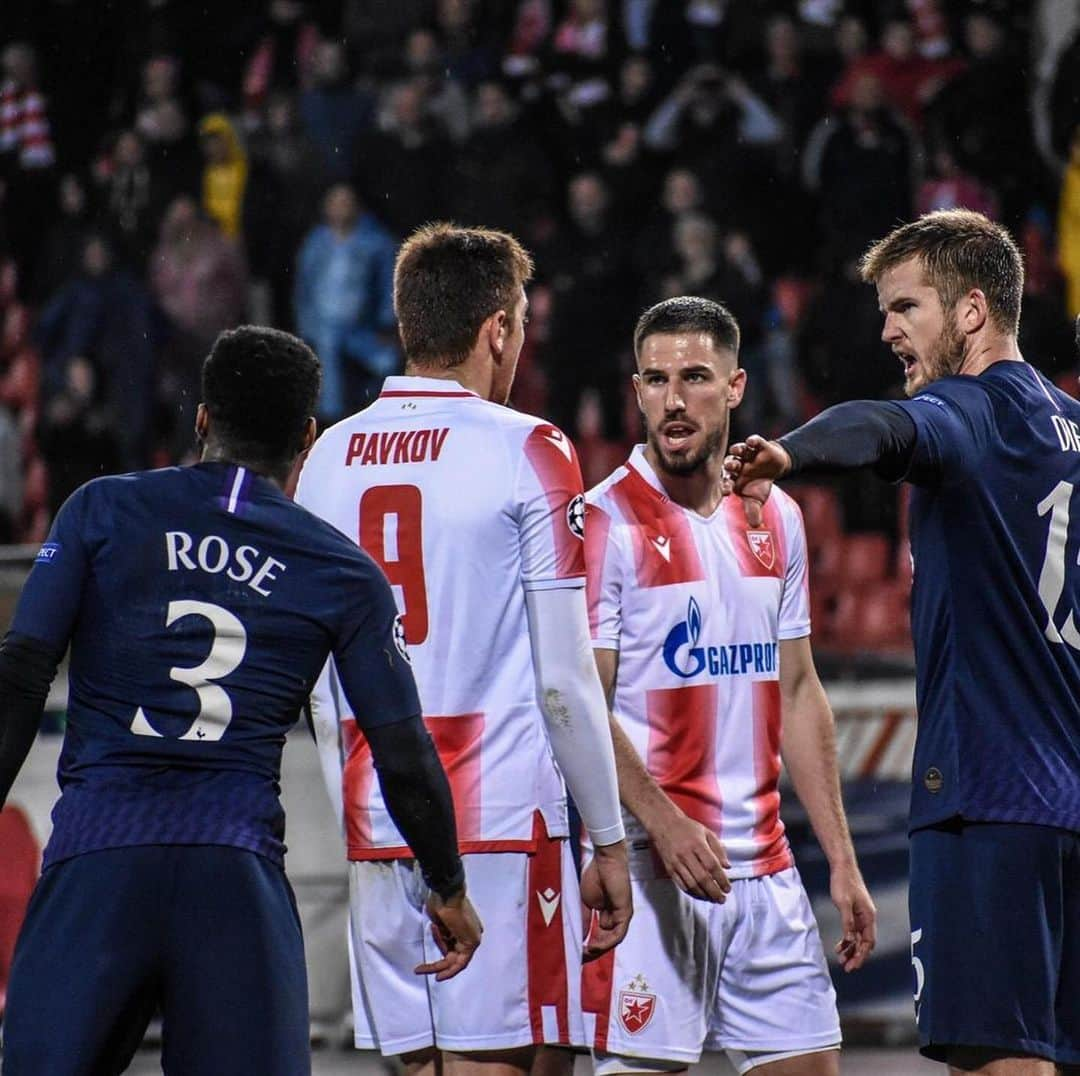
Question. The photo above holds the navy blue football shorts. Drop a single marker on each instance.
(208, 936)
(995, 939)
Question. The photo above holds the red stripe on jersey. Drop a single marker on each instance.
(407, 392)
(761, 551)
(597, 986)
(597, 529)
(664, 548)
(773, 853)
(682, 749)
(545, 943)
(458, 740)
(555, 462)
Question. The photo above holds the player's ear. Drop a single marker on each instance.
(637, 392)
(736, 387)
(973, 311)
(497, 326)
(310, 432)
(202, 423)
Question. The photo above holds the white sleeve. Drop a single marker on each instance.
(794, 620)
(572, 701)
(326, 724)
(603, 579)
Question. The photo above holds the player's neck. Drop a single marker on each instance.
(216, 454)
(467, 374)
(700, 491)
(985, 352)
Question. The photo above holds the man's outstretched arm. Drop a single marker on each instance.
(862, 433)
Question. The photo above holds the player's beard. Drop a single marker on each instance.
(945, 358)
(713, 445)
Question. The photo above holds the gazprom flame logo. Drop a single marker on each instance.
(682, 655)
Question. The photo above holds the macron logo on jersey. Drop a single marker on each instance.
(47, 553)
(398, 446)
(558, 439)
(686, 659)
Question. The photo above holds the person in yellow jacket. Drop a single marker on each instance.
(226, 173)
(1069, 227)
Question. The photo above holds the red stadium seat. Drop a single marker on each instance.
(865, 558)
(821, 513)
(36, 528)
(872, 617)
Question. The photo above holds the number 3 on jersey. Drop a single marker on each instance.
(391, 532)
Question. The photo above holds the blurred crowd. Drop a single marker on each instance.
(168, 170)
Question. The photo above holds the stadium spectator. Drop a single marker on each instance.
(501, 176)
(951, 188)
(76, 434)
(588, 268)
(333, 112)
(27, 154)
(162, 120)
(909, 81)
(225, 173)
(286, 185)
(345, 302)
(468, 47)
(860, 164)
(283, 58)
(133, 200)
(983, 112)
(654, 249)
(400, 170)
(107, 315)
(63, 240)
(200, 280)
(445, 101)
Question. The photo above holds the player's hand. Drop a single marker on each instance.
(456, 928)
(750, 468)
(858, 916)
(605, 890)
(693, 857)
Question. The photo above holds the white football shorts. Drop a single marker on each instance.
(523, 986)
(747, 977)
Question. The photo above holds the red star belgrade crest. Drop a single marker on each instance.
(636, 1009)
(761, 545)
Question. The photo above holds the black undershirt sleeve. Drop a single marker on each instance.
(27, 669)
(417, 795)
(861, 433)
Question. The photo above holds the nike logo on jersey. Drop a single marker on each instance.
(549, 904)
(662, 545)
(559, 440)
(398, 446)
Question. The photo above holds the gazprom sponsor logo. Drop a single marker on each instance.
(47, 553)
(686, 658)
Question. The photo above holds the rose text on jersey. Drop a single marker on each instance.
(213, 554)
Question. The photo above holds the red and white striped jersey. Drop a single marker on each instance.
(696, 608)
(466, 505)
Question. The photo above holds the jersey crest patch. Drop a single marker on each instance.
(636, 1005)
(761, 545)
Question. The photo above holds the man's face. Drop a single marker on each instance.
(512, 343)
(922, 334)
(686, 386)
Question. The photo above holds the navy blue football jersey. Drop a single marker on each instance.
(200, 604)
(995, 536)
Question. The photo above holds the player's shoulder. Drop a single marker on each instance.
(602, 495)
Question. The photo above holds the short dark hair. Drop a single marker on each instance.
(958, 249)
(260, 386)
(689, 314)
(447, 282)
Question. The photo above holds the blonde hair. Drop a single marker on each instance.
(959, 250)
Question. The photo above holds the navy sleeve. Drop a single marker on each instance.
(954, 424)
(51, 596)
(370, 653)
